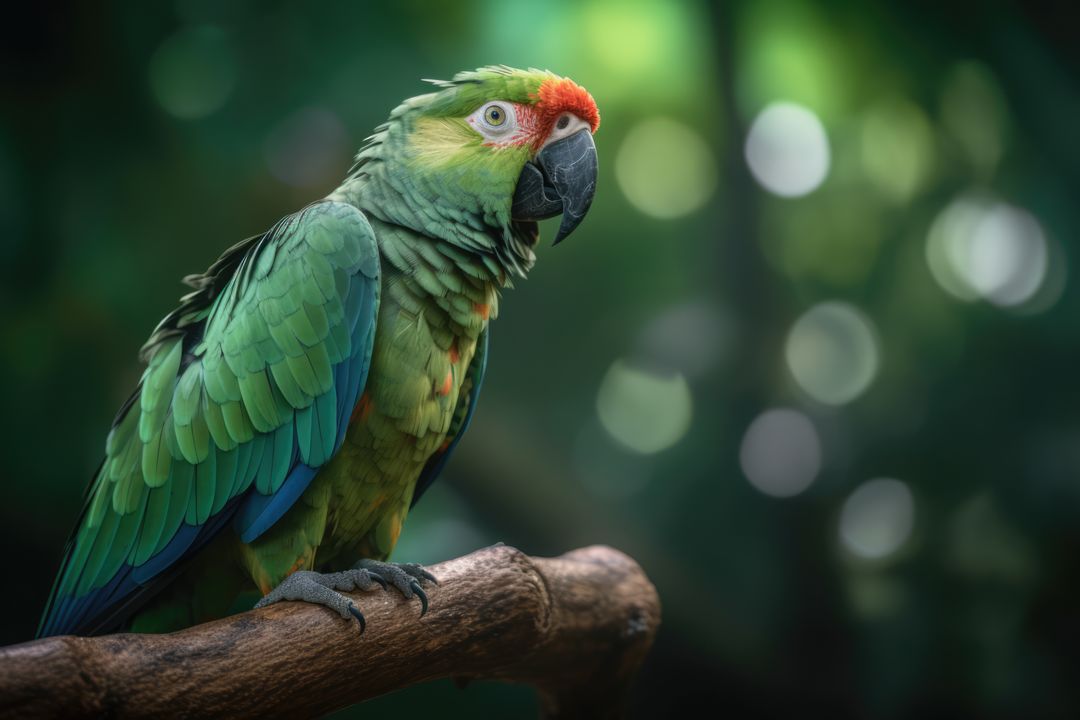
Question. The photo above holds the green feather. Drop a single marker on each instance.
(264, 481)
(237, 421)
(323, 274)
(215, 422)
(121, 433)
(304, 373)
(123, 463)
(203, 490)
(221, 382)
(317, 319)
(126, 492)
(156, 458)
(157, 387)
(98, 553)
(179, 498)
(324, 239)
(320, 364)
(286, 383)
(193, 440)
(187, 395)
(428, 281)
(305, 427)
(224, 480)
(258, 445)
(326, 414)
(259, 401)
(283, 451)
(241, 479)
(126, 533)
(100, 502)
(300, 324)
(286, 339)
(265, 262)
(157, 507)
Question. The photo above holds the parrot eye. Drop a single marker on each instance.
(494, 115)
(496, 121)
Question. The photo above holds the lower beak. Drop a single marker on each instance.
(561, 179)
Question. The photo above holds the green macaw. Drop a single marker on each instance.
(312, 386)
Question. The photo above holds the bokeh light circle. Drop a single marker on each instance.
(787, 150)
(877, 518)
(781, 452)
(1007, 262)
(832, 352)
(644, 411)
(665, 169)
(193, 72)
(980, 248)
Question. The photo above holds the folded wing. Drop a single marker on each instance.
(248, 391)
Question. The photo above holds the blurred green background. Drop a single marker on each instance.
(809, 359)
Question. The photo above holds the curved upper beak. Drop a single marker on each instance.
(561, 179)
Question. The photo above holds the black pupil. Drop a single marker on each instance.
(563, 122)
(495, 114)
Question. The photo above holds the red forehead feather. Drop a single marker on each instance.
(559, 95)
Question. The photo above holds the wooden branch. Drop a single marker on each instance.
(576, 627)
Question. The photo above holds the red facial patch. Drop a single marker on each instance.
(562, 95)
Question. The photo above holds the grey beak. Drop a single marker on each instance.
(562, 179)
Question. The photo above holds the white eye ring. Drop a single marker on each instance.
(495, 119)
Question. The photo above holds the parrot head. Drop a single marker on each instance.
(481, 160)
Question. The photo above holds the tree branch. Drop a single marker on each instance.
(576, 627)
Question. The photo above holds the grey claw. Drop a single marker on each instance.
(379, 579)
(415, 587)
(359, 617)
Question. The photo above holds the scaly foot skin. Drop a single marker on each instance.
(321, 588)
(406, 577)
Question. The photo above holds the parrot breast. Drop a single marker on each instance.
(430, 318)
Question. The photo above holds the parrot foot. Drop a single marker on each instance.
(406, 577)
(321, 589)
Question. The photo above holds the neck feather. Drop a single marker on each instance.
(385, 188)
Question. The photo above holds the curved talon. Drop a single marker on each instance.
(379, 579)
(359, 617)
(415, 587)
(426, 575)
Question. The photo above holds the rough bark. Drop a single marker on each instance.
(576, 627)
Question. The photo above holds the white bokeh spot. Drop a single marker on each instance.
(877, 518)
(781, 452)
(787, 150)
(832, 352)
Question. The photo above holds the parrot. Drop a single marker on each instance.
(315, 380)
